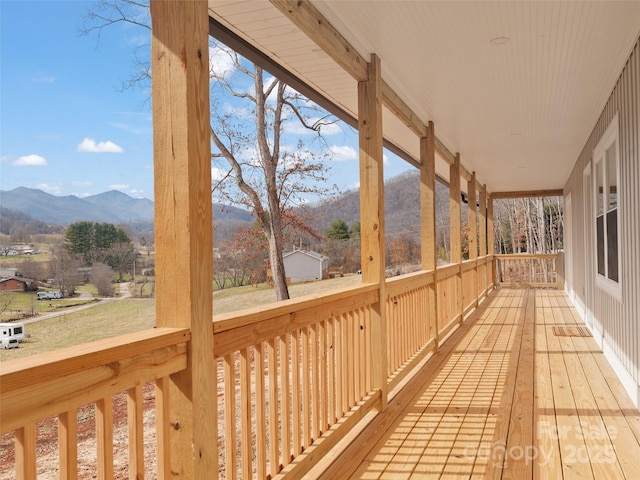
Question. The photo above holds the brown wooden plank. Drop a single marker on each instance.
(567, 419)
(547, 461)
(520, 434)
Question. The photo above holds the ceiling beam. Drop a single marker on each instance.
(309, 19)
(527, 194)
(401, 110)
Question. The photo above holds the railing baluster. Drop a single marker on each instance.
(306, 390)
(295, 391)
(285, 447)
(135, 422)
(68, 444)
(331, 370)
(274, 464)
(104, 437)
(261, 434)
(230, 416)
(25, 453)
(356, 355)
(315, 382)
(245, 414)
(322, 333)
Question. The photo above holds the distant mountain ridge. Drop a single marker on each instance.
(110, 207)
(29, 204)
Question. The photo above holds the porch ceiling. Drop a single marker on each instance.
(519, 111)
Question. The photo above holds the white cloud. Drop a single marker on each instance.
(220, 62)
(134, 192)
(119, 186)
(32, 160)
(44, 79)
(90, 145)
(343, 153)
(218, 174)
(81, 184)
(53, 188)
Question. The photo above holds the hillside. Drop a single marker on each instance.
(110, 207)
(40, 212)
(402, 209)
(402, 206)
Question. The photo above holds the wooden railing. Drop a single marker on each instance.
(59, 382)
(287, 373)
(293, 377)
(529, 270)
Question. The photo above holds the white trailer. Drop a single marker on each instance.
(11, 334)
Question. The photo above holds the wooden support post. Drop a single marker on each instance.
(472, 217)
(372, 215)
(483, 235)
(473, 232)
(455, 230)
(483, 221)
(490, 238)
(428, 223)
(183, 229)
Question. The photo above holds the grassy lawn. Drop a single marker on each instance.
(102, 321)
(26, 302)
(131, 315)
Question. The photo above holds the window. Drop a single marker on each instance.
(607, 179)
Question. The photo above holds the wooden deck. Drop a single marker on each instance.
(505, 397)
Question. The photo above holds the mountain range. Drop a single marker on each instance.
(108, 207)
(402, 209)
(32, 205)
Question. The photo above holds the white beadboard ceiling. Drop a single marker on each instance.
(519, 112)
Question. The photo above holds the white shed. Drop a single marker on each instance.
(305, 265)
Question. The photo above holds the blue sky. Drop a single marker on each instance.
(67, 128)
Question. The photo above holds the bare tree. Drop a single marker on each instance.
(254, 166)
(268, 178)
(65, 270)
(101, 278)
(6, 299)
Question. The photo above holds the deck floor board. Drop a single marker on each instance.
(505, 398)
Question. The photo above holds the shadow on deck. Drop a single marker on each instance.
(508, 395)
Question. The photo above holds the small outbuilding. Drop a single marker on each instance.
(305, 265)
(15, 284)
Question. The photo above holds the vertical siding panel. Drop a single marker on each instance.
(619, 320)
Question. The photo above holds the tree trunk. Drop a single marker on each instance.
(277, 265)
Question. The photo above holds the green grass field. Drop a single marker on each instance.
(102, 321)
(120, 317)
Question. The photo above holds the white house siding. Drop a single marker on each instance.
(615, 325)
(302, 266)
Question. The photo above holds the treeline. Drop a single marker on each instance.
(531, 225)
